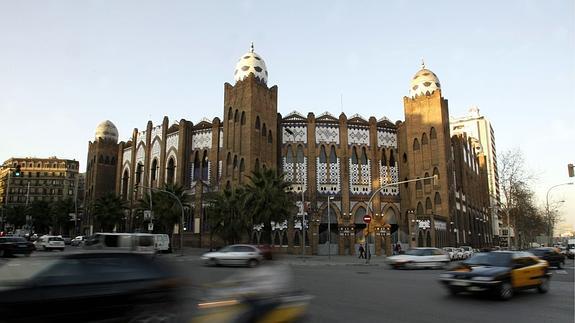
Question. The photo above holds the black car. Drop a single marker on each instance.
(92, 287)
(499, 273)
(552, 255)
(15, 245)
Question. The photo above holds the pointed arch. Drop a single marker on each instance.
(332, 155)
(264, 130)
(415, 144)
(419, 208)
(300, 155)
(258, 122)
(236, 116)
(230, 114)
(354, 158)
(360, 212)
(383, 158)
(289, 155)
(322, 154)
(139, 172)
(432, 133)
(154, 172)
(125, 182)
(428, 205)
(363, 156)
(424, 140)
(205, 166)
(436, 172)
(243, 118)
(391, 158)
(257, 165)
(437, 198)
(270, 140)
(235, 162)
(242, 170)
(171, 171)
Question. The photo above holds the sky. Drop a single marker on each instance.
(67, 65)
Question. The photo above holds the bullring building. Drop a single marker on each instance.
(341, 160)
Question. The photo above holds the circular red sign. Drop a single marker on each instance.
(367, 218)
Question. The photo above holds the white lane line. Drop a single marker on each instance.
(561, 272)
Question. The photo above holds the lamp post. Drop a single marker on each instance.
(549, 224)
(329, 198)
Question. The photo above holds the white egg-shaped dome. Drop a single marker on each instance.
(251, 63)
(425, 82)
(106, 130)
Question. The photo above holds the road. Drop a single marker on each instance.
(358, 293)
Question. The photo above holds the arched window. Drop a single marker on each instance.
(107, 160)
(418, 185)
(270, 137)
(436, 172)
(419, 208)
(332, 156)
(424, 139)
(437, 199)
(171, 171)
(322, 155)
(230, 115)
(236, 116)
(383, 158)
(100, 159)
(139, 171)
(235, 162)
(354, 156)
(258, 122)
(428, 205)
(432, 133)
(243, 119)
(299, 156)
(264, 130)
(363, 156)
(391, 158)
(257, 165)
(205, 167)
(229, 160)
(289, 154)
(113, 161)
(427, 181)
(125, 181)
(242, 169)
(153, 170)
(197, 166)
(415, 144)
(404, 158)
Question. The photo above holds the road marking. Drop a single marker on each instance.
(561, 272)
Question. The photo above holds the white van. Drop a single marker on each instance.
(141, 242)
(162, 243)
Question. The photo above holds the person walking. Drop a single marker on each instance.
(361, 252)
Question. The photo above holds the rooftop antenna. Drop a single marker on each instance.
(341, 101)
(422, 64)
(252, 47)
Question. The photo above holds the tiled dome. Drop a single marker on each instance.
(251, 63)
(425, 82)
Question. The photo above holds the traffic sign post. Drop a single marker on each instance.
(367, 219)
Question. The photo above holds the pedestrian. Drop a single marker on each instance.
(361, 252)
(398, 248)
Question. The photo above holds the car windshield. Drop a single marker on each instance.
(496, 259)
(538, 252)
(55, 239)
(225, 249)
(415, 252)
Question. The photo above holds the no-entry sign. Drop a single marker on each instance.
(367, 218)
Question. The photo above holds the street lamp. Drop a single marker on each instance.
(329, 198)
(549, 224)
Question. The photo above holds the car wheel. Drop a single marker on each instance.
(252, 263)
(505, 291)
(212, 262)
(544, 286)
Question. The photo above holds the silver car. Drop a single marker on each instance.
(234, 255)
(420, 258)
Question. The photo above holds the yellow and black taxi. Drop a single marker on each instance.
(499, 273)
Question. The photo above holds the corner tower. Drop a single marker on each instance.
(425, 150)
(250, 121)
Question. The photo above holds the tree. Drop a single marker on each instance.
(108, 211)
(268, 200)
(529, 220)
(60, 214)
(227, 215)
(16, 216)
(39, 211)
(167, 210)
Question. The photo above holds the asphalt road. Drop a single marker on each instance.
(358, 293)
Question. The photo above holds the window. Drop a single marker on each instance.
(363, 156)
(154, 169)
(383, 158)
(322, 155)
(264, 130)
(289, 155)
(415, 144)
(243, 119)
(428, 205)
(300, 156)
(354, 156)
(270, 137)
(424, 139)
(171, 170)
(432, 133)
(332, 156)
(258, 123)
(236, 116)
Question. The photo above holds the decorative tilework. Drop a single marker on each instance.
(386, 139)
(172, 141)
(327, 134)
(127, 157)
(328, 184)
(202, 139)
(141, 154)
(155, 150)
(388, 174)
(360, 184)
(358, 136)
(300, 133)
(296, 173)
(157, 131)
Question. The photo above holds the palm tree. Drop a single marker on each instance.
(227, 215)
(108, 211)
(268, 199)
(167, 210)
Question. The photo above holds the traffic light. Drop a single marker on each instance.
(17, 172)
(570, 170)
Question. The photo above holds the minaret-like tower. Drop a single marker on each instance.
(425, 150)
(250, 121)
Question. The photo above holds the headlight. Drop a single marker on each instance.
(446, 276)
(482, 278)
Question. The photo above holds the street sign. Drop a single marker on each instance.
(367, 218)
(150, 226)
(147, 214)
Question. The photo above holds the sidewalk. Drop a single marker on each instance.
(299, 260)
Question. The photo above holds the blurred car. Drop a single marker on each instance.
(49, 243)
(549, 254)
(266, 250)
(420, 258)
(15, 245)
(67, 240)
(467, 251)
(243, 255)
(77, 241)
(499, 273)
(92, 286)
(452, 252)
